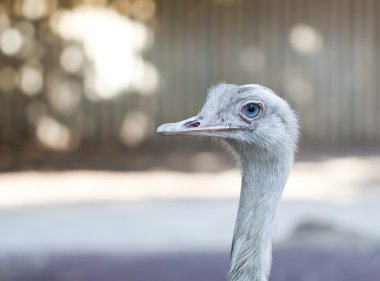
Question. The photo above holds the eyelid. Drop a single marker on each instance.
(259, 103)
(245, 101)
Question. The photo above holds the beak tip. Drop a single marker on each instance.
(161, 129)
(169, 129)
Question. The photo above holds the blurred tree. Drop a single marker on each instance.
(65, 62)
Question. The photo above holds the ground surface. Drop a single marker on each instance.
(288, 265)
(170, 226)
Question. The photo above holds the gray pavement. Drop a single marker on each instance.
(180, 240)
(289, 264)
(170, 226)
(179, 225)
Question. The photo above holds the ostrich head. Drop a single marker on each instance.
(242, 115)
(263, 131)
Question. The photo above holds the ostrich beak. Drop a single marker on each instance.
(194, 126)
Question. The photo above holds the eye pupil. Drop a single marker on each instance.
(251, 110)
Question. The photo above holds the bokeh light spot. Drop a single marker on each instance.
(305, 39)
(34, 9)
(10, 41)
(64, 96)
(71, 59)
(204, 161)
(31, 80)
(143, 10)
(135, 128)
(54, 135)
(146, 79)
(299, 90)
(114, 45)
(252, 59)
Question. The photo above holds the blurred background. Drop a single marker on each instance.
(89, 192)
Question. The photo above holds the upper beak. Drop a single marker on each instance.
(191, 127)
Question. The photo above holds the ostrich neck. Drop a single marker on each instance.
(263, 179)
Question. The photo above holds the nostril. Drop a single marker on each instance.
(192, 124)
(195, 124)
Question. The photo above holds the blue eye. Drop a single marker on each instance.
(251, 110)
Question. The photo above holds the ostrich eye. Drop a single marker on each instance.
(251, 110)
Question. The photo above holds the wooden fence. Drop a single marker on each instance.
(330, 75)
(320, 55)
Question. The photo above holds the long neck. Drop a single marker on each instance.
(263, 179)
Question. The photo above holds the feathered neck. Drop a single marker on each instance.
(264, 175)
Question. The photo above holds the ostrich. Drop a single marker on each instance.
(262, 130)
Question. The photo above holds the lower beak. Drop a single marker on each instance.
(191, 127)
